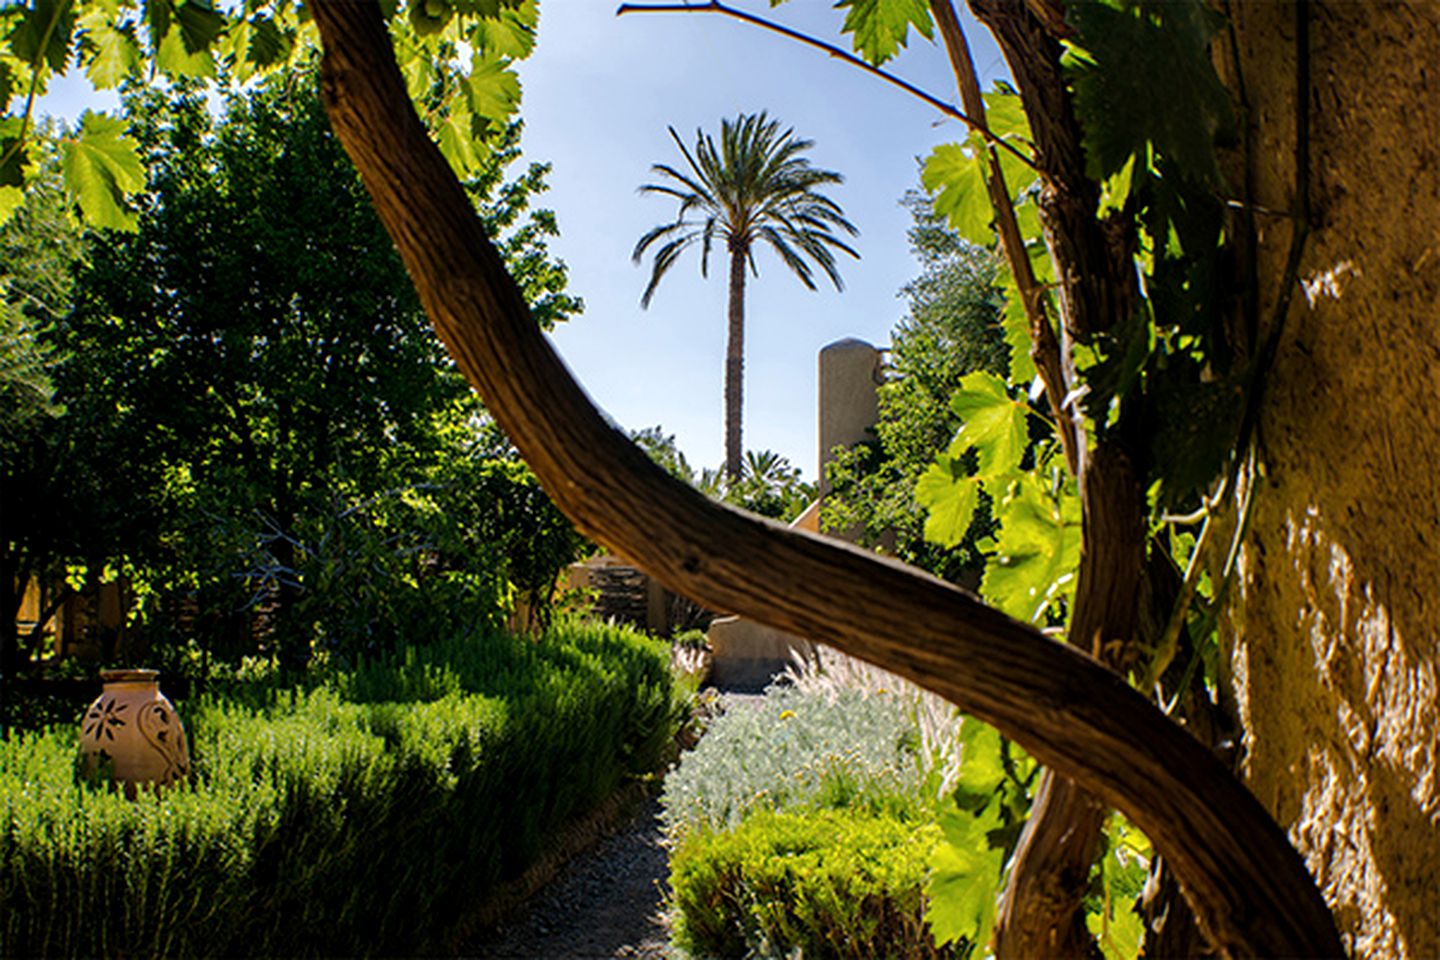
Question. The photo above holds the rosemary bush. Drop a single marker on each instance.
(365, 815)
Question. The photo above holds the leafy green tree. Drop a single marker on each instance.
(769, 483)
(951, 329)
(755, 187)
(72, 476)
(276, 360)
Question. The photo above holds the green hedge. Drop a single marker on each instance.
(364, 815)
(831, 882)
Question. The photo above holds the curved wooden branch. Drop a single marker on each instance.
(1249, 885)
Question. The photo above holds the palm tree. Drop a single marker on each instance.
(756, 186)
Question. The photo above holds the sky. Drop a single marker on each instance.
(599, 93)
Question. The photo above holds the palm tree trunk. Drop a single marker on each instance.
(735, 366)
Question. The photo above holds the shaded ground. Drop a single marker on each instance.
(605, 903)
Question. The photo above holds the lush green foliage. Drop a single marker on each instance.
(287, 424)
(829, 883)
(952, 328)
(363, 815)
(464, 98)
(769, 484)
(1159, 385)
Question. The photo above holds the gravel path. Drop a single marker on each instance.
(605, 903)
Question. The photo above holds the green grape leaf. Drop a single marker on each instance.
(101, 165)
(43, 34)
(7, 84)
(419, 76)
(949, 498)
(268, 44)
(964, 878)
(1036, 552)
(183, 37)
(492, 89)
(14, 154)
(982, 769)
(511, 33)
(952, 174)
(992, 422)
(10, 200)
(456, 140)
(116, 55)
(200, 25)
(1194, 425)
(1015, 325)
(1142, 75)
(882, 27)
(1119, 935)
(1115, 361)
(1123, 869)
(1005, 115)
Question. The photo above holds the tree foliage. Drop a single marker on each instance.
(951, 329)
(278, 384)
(458, 65)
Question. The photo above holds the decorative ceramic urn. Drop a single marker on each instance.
(135, 730)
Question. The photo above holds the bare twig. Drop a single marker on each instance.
(968, 118)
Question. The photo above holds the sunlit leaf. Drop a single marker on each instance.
(949, 498)
(882, 27)
(1016, 327)
(100, 166)
(492, 89)
(1037, 551)
(993, 423)
(116, 56)
(982, 767)
(511, 33)
(952, 174)
(10, 200)
(964, 878)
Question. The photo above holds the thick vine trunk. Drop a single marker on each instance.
(1041, 907)
(1248, 885)
(735, 367)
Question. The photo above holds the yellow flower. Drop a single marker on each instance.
(786, 714)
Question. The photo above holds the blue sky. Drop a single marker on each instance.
(599, 92)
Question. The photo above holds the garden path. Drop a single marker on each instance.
(605, 903)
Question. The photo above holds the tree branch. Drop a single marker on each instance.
(975, 121)
(1248, 883)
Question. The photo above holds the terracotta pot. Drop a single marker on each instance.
(134, 729)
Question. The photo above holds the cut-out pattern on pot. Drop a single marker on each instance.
(135, 730)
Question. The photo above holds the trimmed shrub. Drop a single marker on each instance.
(363, 816)
(829, 883)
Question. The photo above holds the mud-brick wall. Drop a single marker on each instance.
(1333, 633)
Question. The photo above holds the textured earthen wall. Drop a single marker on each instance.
(1333, 633)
